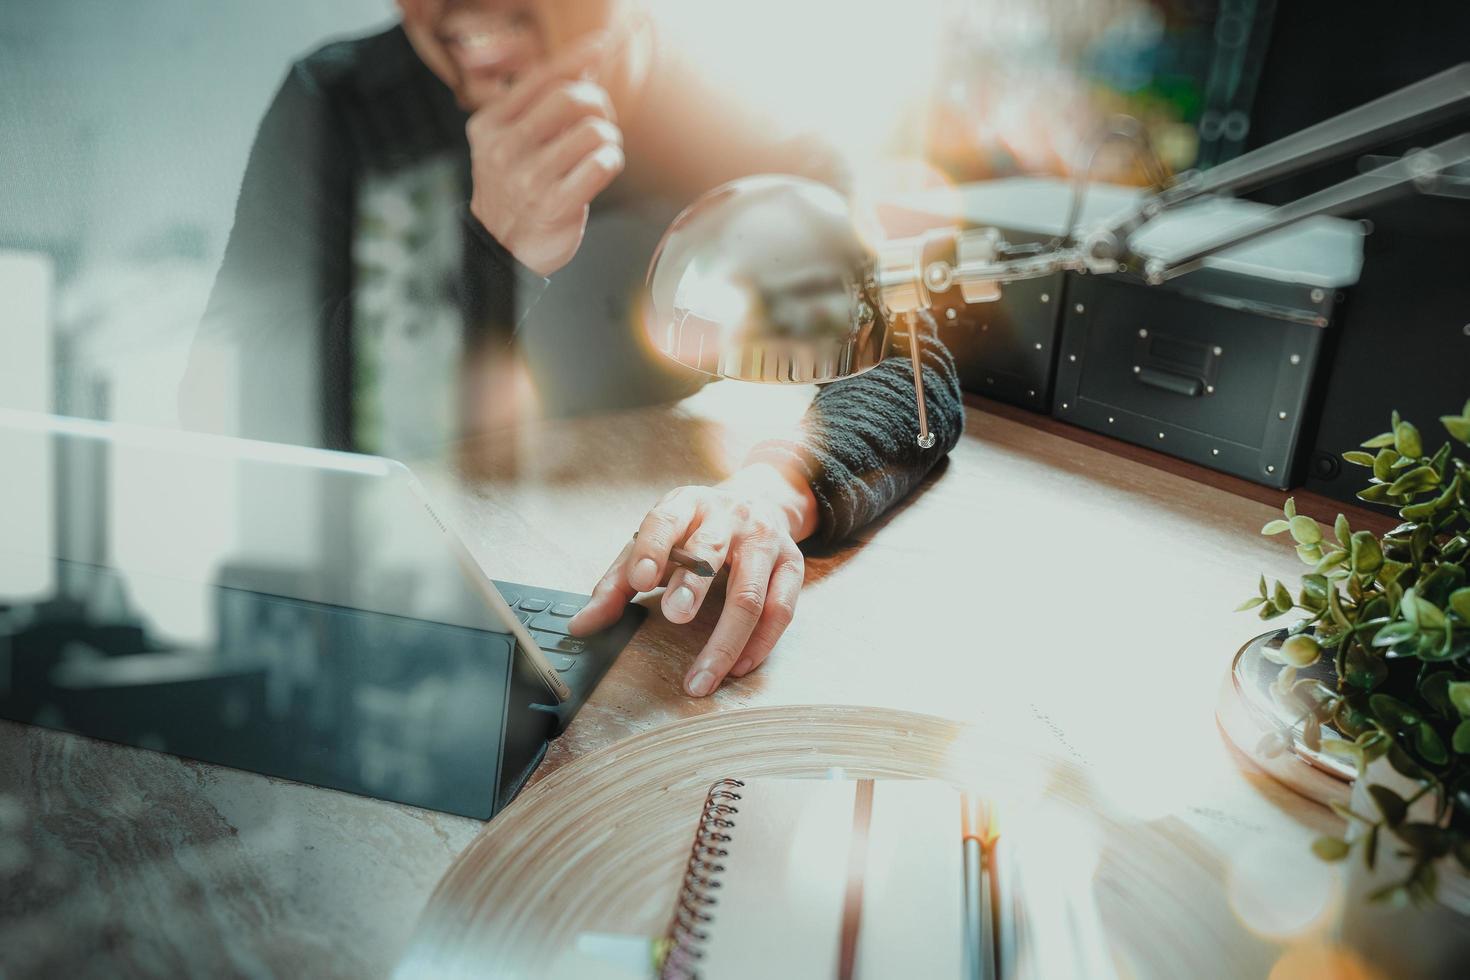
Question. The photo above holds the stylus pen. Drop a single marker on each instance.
(979, 925)
(684, 559)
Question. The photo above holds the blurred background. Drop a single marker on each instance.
(126, 130)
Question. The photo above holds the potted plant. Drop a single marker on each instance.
(1390, 616)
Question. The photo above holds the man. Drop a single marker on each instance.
(496, 173)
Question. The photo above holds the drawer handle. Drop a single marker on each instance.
(1179, 384)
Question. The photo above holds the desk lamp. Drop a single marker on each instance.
(765, 278)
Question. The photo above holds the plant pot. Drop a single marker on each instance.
(1403, 940)
(1248, 713)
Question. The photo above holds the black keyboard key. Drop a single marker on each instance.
(552, 643)
(534, 605)
(565, 609)
(551, 624)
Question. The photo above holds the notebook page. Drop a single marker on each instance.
(780, 897)
(914, 895)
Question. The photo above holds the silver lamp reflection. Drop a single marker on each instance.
(766, 279)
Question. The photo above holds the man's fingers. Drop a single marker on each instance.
(608, 599)
(786, 582)
(710, 542)
(563, 153)
(589, 178)
(745, 599)
(576, 61)
(558, 110)
(664, 526)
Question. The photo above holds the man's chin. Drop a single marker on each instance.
(474, 94)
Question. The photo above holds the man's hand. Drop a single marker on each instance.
(750, 523)
(540, 153)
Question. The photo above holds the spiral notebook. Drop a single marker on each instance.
(822, 878)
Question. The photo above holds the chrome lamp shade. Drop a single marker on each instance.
(765, 279)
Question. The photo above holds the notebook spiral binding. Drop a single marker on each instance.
(687, 934)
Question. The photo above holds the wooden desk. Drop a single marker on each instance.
(1079, 593)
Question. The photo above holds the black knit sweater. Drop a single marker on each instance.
(369, 106)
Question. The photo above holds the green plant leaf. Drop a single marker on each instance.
(1346, 751)
(1312, 735)
(1435, 690)
(1275, 527)
(1429, 615)
(1461, 739)
(1367, 556)
(1429, 745)
(1383, 464)
(1300, 651)
(1375, 744)
(1262, 587)
(1394, 712)
(1363, 670)
(1358, 457)
(1395, 632)
(1389, 803)
(1458, 427)
(1330, 560)
(1391, 571)
(1403, 763)
(1289, 508)
(1420, 511)
(1342, 531)
(1425, 839)
(1409, 606)
(1374, 494)
(1393, 893)
(1250, 603)
(1281, 599)
(1309, 554)
(1459, 694)
(1459, 601)
(1334, 609)
(1330, 848)
(1417, 480)
(1305, 530)
(1379, 441)
(1406, 440)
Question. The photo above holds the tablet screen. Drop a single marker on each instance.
(284, 610)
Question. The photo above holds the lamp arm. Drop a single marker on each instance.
(1410, 109)
(1421, 171)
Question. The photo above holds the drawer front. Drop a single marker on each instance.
(1006, 350)
(1222, 385)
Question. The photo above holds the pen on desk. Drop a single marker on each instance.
(979, 922)
(684, 559)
